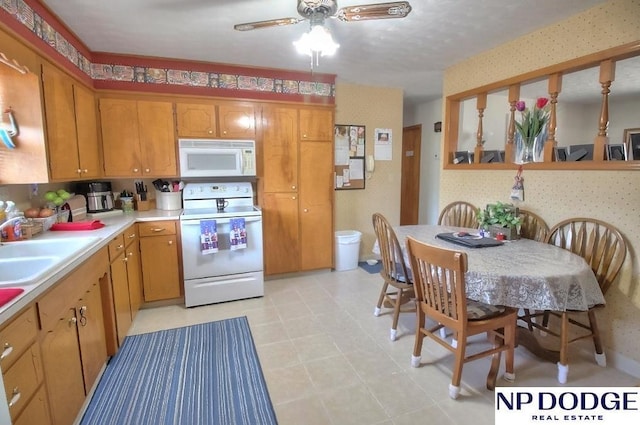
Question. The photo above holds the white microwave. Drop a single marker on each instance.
(217, 158)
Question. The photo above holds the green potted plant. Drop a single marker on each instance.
(499, 218)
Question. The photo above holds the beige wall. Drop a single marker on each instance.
(612, 196)
(373, 107)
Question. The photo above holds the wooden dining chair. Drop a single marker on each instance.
(397, 288)
(532, 226)
(439, 281)
(603, 247)
(459, 214)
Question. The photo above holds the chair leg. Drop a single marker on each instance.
(417, 345)
(396, 315)
(454, 387)
(600, 356)
(495, 364)
(510, 340)
(563, 364)
(383, 293)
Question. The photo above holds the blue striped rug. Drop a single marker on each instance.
(206, 374)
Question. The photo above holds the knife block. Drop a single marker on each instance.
(141, 205)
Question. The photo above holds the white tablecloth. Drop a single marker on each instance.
(521, 273)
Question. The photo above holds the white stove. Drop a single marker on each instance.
(221, 247)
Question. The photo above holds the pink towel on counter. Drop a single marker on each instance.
(238, 234)
(208, 237)
(78, 225)
(7, 294)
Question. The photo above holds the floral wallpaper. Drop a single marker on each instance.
(26, 15)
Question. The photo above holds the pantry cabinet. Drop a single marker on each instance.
(159, 253)
(22, 370)
(138, 138)
(220, 120)
(72, 337)
(297, 202)
(71, 127)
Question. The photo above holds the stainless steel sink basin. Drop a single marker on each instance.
(24, 262)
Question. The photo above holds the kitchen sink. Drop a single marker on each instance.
(24, 262)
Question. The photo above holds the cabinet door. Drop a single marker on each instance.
(63, 370)
(87, 132)
(93, 344)
(237, 121)
(62, 140)
(37, 411)
(280, 149)
(134, 275)
(157, 139)
(316, 124)
(280, 233)
(196, 120)
(160, 273)
(121, 301)
(120, 140)
(316, 205)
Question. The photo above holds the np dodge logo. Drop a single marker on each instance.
(601, 405)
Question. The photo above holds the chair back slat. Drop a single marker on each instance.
(601, 245)
(439, 282)
(460, 214)
(393, 264)
(532, 226)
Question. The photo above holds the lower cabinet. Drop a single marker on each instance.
(159, 255)
(72, 337)
(23, 374)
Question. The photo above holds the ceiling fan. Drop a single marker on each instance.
(318, 41)
(317, 11)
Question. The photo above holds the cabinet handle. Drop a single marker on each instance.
(135, 170)
(210, 132)
(125, 259)
(73, 321)
(8, 348)
(130, 254)
(119, 247)
(147, 170)
(224, 132)
(170, 242)
(293, 187)
(131, 236)
(304, 136)
(78, 171)
(293, 197)
(158, 229)
(85, 171)
(83, 318)
(15, 396)
(305, 210)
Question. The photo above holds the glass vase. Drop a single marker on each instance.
(530, 149)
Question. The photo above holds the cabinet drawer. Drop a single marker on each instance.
(17, 336)
(22, 380)
(157, 228)
(37, 411)
(130, 235)
(116, 247)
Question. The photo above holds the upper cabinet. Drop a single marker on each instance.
(591, 120)
(71, 126)
(138, 138)
(220, 120)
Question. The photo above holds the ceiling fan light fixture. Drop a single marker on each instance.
(317, 42)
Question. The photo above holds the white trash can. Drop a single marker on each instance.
(347, 249)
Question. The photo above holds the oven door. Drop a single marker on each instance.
(226, 261)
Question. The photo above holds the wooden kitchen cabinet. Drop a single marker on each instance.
(297, 202)
(72, 337)
(71, 127)
(160, 260)
(22, 369)
(126, 290)
(138, 138)
(220, 120)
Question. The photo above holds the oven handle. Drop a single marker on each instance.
(196, 222)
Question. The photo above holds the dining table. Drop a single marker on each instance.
(521, 273)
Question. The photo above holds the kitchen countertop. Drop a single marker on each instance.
(113, 226)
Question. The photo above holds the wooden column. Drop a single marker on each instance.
(452, 111)
(607, 76)
(555, 87)
(481, 105)
(510, 148)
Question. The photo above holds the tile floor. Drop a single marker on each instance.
(329, 361)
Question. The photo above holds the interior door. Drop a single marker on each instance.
(410, 180)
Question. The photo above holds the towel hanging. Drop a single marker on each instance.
(208, 237)
(238, 234)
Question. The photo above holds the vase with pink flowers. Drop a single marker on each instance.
(531, 130)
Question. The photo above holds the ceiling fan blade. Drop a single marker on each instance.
(264, 24)
(365, 12)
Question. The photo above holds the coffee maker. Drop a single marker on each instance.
(98, 194)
